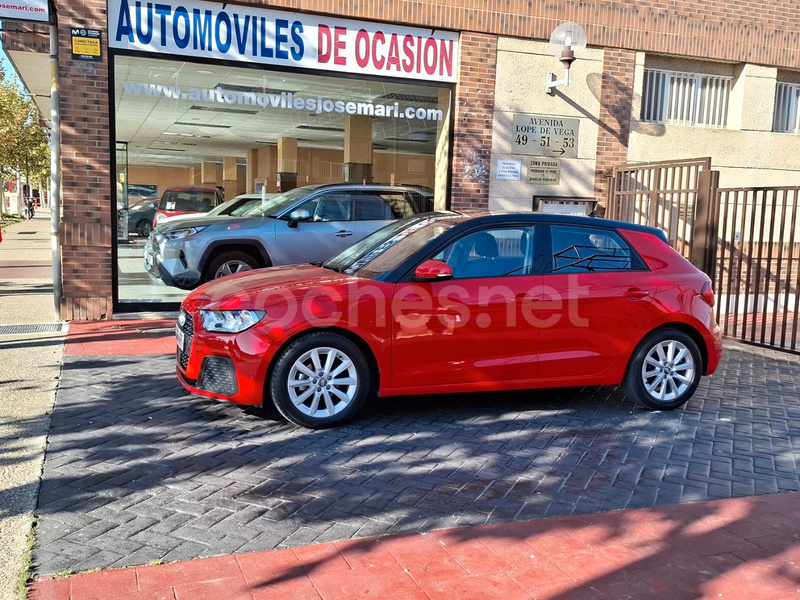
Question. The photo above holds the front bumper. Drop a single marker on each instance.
(231, 367)
(168, 264)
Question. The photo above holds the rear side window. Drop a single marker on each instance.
(588, 249)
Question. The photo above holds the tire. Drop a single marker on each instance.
(143, 228)
(229, 263)
(345, 372)
(664, 371)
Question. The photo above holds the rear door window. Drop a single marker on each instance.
(579, 249)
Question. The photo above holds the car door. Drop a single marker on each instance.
(474, 328)
(328, 231)
(597, 293)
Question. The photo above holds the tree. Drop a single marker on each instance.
(23, 142)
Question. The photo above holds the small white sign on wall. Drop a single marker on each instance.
(510, 170)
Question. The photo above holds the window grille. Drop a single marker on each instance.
(685, 98)
(786, 117)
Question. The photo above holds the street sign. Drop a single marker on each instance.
(540, 135)
(544, 171)
(86, 44)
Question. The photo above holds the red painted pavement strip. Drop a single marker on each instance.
(25, 269)
(705, 550)
(102, 338)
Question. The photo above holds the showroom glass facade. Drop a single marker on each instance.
(251, 128)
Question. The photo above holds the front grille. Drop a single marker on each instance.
(188, 333)
(217, 376)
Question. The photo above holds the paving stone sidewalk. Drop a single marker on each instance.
(138, 471)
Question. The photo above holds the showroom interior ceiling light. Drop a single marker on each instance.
(151, 125)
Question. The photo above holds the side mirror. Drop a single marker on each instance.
(433, 270)
(297, 215)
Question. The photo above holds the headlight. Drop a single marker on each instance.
(177, 234)
(230, 321)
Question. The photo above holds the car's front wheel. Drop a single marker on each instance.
(664, 371)
(320, 380)
(229, 263)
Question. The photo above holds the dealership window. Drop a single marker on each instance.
(681, 98)
(230, 128)
(786, 117)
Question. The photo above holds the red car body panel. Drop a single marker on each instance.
(417, 334)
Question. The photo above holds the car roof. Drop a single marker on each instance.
(191, 188)
(368, 186)
(488, 217)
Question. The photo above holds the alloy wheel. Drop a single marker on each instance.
(668, 370)
(231, 267)
(322, 382)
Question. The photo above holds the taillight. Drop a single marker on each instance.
(707, 293)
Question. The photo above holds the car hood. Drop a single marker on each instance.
(189, 220)
(262, 287)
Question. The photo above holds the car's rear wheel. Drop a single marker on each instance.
(144, 227)
(664, 371)
(229, 263)
(320, 380)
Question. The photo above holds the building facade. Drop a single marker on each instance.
(449, 95)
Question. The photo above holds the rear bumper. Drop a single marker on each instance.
(714, 344)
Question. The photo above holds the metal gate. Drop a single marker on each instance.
(674, 196)
(757, 260)
(743, 238)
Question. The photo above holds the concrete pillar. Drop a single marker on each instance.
(442, 164)
(753, 89)
(357, 149)
(251, 171)
(208, 173)
(265, 157)
(230, 179)
(194, 176)
(287, 163)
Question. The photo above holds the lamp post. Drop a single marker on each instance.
(566, 41)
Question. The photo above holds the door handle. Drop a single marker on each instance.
(343, 233)
(636, 293)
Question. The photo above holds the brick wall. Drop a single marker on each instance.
(746, 31)
(86, 147)
(616, 97)
(742, 31)
(474, 112)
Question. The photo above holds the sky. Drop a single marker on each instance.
(5, 64)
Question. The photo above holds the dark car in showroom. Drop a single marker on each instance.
(307, 224)
(447, 302)
(140, 216)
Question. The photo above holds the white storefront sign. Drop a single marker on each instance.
(25, 10)
(271, 37)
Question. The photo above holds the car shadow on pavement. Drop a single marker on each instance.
(137, 470)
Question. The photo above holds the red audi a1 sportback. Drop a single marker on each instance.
(448, 302)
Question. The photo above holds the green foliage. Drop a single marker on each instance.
(23, 143)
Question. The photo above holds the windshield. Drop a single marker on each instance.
(280, 202)
(235, 207)
(390, 246)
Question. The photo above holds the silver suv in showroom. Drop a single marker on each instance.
(305, 225)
